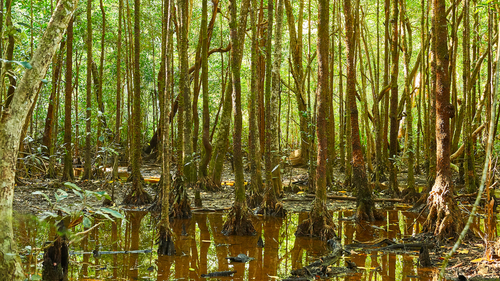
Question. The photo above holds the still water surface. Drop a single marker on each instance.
(204, 249)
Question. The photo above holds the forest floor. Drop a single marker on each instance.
(468, 261)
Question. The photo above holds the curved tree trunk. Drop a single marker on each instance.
(13, 118)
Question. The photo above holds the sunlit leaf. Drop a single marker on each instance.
(72, 185)
(78, 193)
(86, 222)
(41, 193)
(477, 260)
(112, 212)
(192, 269)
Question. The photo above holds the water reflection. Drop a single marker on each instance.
(202, 248)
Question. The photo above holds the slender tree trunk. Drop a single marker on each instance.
(254, 145)
(237, 222)
(270, 206)
(166, 245)
(87, 169)
(118, 89)
(364, 203)
(137, 195)
(394, 100)
(68, 156)
(13, 118)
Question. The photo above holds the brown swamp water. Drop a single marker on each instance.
(204, 249)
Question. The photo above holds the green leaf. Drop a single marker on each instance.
(78, 193)
(48, 214)
(87, 223)
(41, 193)
(72, 185)
(24, 64)
(192, 269)
(62, 194)
(64, 209)
(112, 212)
(104, 215)
(44, 81)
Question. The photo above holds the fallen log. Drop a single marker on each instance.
(350, 198)
(219, 274)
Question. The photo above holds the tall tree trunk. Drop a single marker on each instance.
(253, 142)
(237, 221)
(444, 218)
(118, 89)
(298, 76)
(68, 156)
(87, 168)
(137, 195)
(320, 223)
(393, 149)
(364, 203)
(270, 206)
(166, 245)
(13, 118)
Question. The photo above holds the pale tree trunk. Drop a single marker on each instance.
(220, 146)
(270, 206)
(254, 145)
(68, 157)
(237, 221)
(13, 118)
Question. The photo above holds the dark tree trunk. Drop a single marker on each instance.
(68, 156)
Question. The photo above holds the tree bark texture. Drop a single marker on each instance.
(11, 122)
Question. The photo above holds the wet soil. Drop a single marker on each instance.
(204, 248)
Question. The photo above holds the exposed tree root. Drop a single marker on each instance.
(181, 208)
(238, 222)
(410, 195)
(271, 207)
(366, 211)
(319, 224)
(165, 242)
(137, 196)
(444, 219)
(254, 200)
(208, 184)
